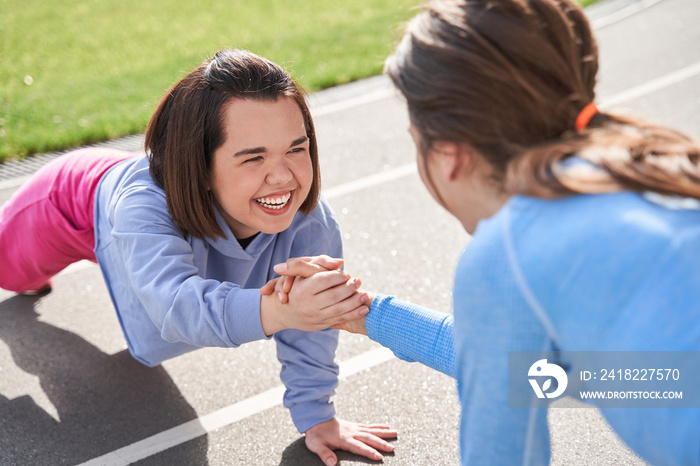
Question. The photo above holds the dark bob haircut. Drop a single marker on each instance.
(187, 128)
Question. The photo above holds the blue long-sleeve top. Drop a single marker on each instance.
(174, 293)
(414, 333)
(610, 272)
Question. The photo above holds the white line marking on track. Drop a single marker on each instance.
(623, 13)
(652, 86)
(225, 416)
(346, 104)
(369, 181)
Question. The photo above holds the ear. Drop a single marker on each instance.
(455, 158)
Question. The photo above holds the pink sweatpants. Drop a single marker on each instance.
(48, 223)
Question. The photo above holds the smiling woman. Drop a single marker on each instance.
(239, 119)
(186, 234)
(267, 179)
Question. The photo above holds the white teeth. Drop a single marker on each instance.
(274, 202)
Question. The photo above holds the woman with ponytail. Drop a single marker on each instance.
(586, 225)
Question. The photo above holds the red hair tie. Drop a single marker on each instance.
(584, 117)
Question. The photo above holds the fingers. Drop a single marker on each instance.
(311, 286)
(377, 427)
(361, 447)
(381, 431)
(323, 282)
(283, 295)
(303, 267)
(371, 439)
(269, 287)
(307, 266)
(299, 268)
(347, 316)
(344, 315)
(329, 289)
(287, 284)
(340, 291)
(328, 262)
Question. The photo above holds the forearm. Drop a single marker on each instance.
(211, 313)
(268, 320)
(310, 374)
(413, 333)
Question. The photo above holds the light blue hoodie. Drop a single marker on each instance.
(174, 293)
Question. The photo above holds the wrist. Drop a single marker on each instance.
(269, 314)
(373, 320)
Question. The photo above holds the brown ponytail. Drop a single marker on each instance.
(508, 78)
(634, 156)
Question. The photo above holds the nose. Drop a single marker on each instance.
(279, 174)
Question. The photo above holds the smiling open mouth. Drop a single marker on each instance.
(275, 202)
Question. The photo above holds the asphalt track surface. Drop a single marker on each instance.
(71, 394)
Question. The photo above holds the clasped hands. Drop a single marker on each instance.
(312, 293)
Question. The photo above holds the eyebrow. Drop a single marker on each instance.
(262, 150)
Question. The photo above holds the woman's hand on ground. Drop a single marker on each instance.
(360, 439)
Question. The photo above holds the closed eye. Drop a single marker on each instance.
(253, 159)
(299, 145)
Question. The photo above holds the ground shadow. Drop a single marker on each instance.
(296, 454)
(104, 402)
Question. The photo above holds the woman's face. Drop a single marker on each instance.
(262, 172)
(459, 180)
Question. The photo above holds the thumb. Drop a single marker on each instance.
(323, 452)
(327, 455)
(268, 287)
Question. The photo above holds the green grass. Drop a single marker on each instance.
(80, 71)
